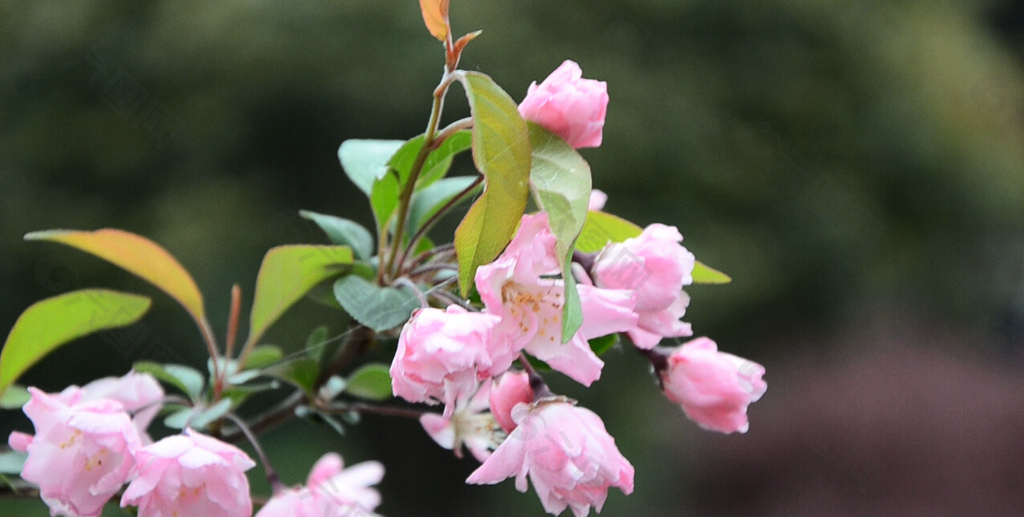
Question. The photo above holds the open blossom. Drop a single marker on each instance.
(82, 452)
(714, 388)
(518, 287)
(330, 491)
(190, 474)
(470, 425)
(441, 354)
(568, 105)
(567, 454)
(657, 267)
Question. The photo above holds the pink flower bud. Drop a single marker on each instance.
(330, 490)
(714, 388)
(569, 106)
(440, 354)
(510, 389)
(656, 267)
(190, 474)
(82, 452)
(567, 454)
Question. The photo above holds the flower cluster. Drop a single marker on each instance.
(508, 418)
(90, 441)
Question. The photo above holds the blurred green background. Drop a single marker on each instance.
(856, 166)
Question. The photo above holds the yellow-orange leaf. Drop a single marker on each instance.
(435, 16)
(137, 255)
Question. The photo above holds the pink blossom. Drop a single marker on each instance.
(714, 388)
(470, 425)
(190, 474)
(569, 106)
(441, 352)
(509, 390)
(139, 393)
(657, 267)
(331, 490)
(82, 452)
(518, 287)
(567, 454)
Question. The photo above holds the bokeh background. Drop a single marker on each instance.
(857, 166)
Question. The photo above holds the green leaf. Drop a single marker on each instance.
(437, 163)
(602, 344)
(343, 232)
(301, 371)
(14, 397)
(139, 256)
(560, 179)
(317, 341)
(384, 200)
(11, 462)
(601, 228)
(365, 161)
(428, 201)
(501, 152)
(262, 356)
(371, 382)
(287, 274)
(440, 159)
(702, 274)
(185, 378)
(50, 323)
(379, 308)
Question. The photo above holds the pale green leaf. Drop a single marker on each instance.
(14, 397)
(364, 161)
(371, 382)
(287, 274)
(185, 378)
(50, 323)
(561, 182)
(601, 228)
(343, 232)
(703, 274)
(428, 201)
(501, 152)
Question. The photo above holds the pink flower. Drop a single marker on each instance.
(518, 287)
(139, 393)
(82, 452)
(714, 388)
(331, 490)
(567, 454)
(470, 425)
(508, 391)
(190, 474)
(657, 267)
(441, 352)
(569, 106)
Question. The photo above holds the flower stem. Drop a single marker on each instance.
(272, 477)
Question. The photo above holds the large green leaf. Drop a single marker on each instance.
(560, 178)
(437, 163)
(366, 160)
(384, 200)
(343, 232)
(137, 255)
(601, 228)
(287, 274)
(50, 323)
(428, 201)
(501, 152)
(379, 308)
